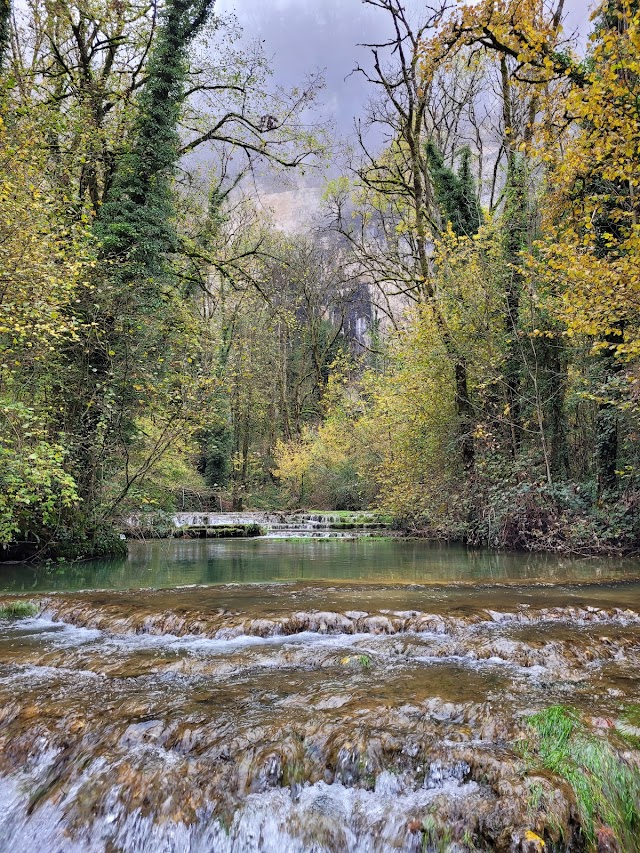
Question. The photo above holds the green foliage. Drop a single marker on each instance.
(456, 194)
(514, 510)
(499, 402)
(135, 224)
(605, 784)
(133, 380)
(43, 260)
(330, 467)
(36, 492)
(18, 609)
(215, 462)
(436, 836)
(5, 24)
(629, 727)
(318, 471)
(103, 336)
(82, 541)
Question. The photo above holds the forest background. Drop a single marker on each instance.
(454, 342)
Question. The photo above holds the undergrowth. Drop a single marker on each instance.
(605, 785)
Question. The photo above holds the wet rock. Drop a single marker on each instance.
(269, 775)
(378, 625)
(528, 842)
(263, 628)
(229, 729)
(438, 774)
(606, 841)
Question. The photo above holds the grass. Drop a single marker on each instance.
(348, 514)
(354, 538)
(363, 660)
(18, 609)
(631, 714)
(435, 836)
(606, 787)
(630, 717)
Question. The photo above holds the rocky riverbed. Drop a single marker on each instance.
(312, 717)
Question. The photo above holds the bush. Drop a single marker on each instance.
(36, 491)
(320, 471)
(564, 517)
(18, 609)
(81, 544)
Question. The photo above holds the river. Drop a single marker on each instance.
(271, 695)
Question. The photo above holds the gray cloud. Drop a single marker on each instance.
(305, 35)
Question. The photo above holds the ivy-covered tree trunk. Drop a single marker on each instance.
(458, 202)
(5, 30)
(555, 362)
(607, 426)
(128, 310)
(515, 218)
(515, 231)
(464, 410)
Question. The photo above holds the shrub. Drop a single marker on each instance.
(18, 609)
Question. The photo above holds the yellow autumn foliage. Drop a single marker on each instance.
(41, 262)
(589, 256)
(390, 435)
(586, 137)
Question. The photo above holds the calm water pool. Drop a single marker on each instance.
(170, 563)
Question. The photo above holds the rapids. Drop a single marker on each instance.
(308, 715)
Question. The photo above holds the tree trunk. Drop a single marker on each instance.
(607, 420)
(464, 411)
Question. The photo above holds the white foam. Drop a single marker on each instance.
(320, 818)
(56, 632)
(194, 644)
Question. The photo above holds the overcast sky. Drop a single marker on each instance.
(303, 36)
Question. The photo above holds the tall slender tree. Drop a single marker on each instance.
(5, 23)
(456, 194)
(131, 312)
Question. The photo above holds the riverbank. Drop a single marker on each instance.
(536, 520)
(531, 523)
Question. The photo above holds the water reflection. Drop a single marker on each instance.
(170, 563)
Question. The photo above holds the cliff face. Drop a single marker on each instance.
(292, 210)
(371, 306)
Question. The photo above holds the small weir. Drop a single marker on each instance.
(278, 524)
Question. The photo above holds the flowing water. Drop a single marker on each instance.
(303, 696)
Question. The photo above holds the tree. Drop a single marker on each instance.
(81, 66)
(593, 235)
(37, 494)
(398, 216)
(456, 195)
(5, 19)
(280, 328)
(43, 265)
(137, 336)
